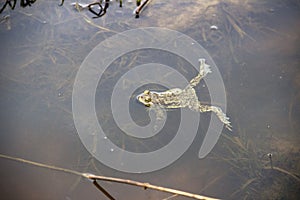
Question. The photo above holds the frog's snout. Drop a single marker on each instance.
(143, 100)
(138, 97)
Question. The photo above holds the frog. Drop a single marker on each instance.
(182, 98)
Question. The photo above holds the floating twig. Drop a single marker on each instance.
(95, 8)
(12, 4)
(109, 179)
(147, 186)
(140, 8)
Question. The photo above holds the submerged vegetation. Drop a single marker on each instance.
(12, 4)
(261, 172)
(96, 8)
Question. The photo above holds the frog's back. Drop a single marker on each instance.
(174, 91)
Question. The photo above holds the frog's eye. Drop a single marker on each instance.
(147, 99)
(146, 92)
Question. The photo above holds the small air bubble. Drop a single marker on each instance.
(270, 155)
(214, 28)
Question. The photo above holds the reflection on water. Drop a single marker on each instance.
(256, 47)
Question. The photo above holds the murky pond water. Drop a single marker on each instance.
(255, 46)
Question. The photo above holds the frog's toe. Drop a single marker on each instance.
(201, 60)
(228, 126)
(204, 68)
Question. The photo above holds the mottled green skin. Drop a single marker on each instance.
(178, 98)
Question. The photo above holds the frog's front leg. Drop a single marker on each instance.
(159, 116)
(218, 111)
(160, 113)
(204, 70)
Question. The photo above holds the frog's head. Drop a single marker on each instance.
(145, 98)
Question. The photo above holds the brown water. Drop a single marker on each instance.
(256, 48)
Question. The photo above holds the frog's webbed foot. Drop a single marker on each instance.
(204, 70)
(218, 111)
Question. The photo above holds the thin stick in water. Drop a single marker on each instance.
(110, 179)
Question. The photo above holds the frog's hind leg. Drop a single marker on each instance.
(218, 111)
(204, 70)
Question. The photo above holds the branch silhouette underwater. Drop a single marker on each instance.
(94, 179)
